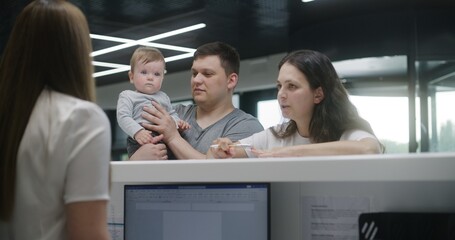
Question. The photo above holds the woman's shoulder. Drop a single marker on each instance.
(66, 106)
(58, 98)
(356, 134)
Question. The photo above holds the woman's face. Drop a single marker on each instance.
(295, 96)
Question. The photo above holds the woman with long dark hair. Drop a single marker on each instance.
(55, 142)
(322, 120)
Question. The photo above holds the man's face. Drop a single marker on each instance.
(209, 82)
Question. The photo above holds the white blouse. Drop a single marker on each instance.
(266, 140)
(63, 158)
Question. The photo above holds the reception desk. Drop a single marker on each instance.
(353, 184)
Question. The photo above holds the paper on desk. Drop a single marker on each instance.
(331, 218)
(115, 213)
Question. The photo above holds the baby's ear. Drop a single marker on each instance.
(318, 95)
(130, 75)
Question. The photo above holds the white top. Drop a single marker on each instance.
(63, 157)
(266, 140)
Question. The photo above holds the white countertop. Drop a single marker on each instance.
(386, 167)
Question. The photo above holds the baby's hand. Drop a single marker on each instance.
(183, 125)
(143, 136)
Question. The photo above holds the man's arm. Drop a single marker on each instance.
(183, 150)
(151, 151)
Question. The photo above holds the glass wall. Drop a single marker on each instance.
(437, 86)
(398, 111)
(398, 66)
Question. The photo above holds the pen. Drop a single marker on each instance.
(244, 145)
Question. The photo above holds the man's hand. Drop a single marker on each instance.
(151, 151)
(163, 123)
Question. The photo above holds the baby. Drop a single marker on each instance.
(147, 74)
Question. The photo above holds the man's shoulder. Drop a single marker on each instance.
(238, 113)
(239, 125)
(185, 111)
(185, 108)
(248, 120)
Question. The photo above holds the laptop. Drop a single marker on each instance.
(208, 211)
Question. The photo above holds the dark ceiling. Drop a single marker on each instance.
(255, 27)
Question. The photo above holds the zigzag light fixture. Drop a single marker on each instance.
(126, 43)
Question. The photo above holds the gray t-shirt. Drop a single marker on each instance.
(130, 107)
(235, 126)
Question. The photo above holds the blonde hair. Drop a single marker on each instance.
(49, 47)
(146, 55)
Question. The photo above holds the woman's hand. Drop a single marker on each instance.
(222, 150)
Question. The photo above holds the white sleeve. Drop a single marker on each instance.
(258, 140)
(87, 175)
(356, 135)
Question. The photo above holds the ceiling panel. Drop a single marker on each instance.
(255, 27)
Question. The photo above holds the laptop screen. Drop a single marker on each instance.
(239, 211)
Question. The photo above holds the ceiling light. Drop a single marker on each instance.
(123, 68)
(111, 71)
(110, 65)
(178, 57)
(148, 39)
(156, 45)
(188, 52)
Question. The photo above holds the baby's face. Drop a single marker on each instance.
(147, 77)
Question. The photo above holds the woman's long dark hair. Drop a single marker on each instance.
(49, 46)
(335, 114)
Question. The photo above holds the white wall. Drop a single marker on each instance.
(255, 74)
